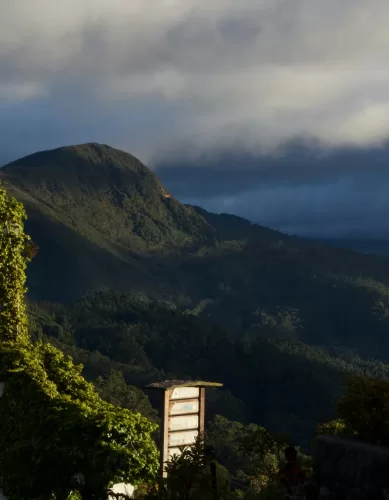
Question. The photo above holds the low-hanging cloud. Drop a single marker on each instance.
(148, 75)
(335, 210)
(302, 190)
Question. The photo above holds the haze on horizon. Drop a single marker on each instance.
(181, 79)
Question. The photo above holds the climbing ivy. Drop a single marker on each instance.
(59, 440)
(13, 261)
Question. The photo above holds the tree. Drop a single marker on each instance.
(365, 409)
(57, 434)
(181, 472)
(55, 425)
(250, 451)
(362, 411)
(115, 390)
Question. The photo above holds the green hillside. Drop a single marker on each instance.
(96, 213)
(280, 383)
(107, 196)
(270, 315)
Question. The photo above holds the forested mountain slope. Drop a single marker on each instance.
(268, 314)
(103, 220)
(282, 384)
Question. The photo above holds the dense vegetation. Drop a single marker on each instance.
(362, 411)
(251, 453)
(55, 426)
(139, 287)
(60, 440)
(267, 379)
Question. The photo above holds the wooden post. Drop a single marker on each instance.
(202, 411)
(165, 431)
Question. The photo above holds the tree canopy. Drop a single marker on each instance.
(362, 411)
(55, 426)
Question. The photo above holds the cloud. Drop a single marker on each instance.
(19, 92)
(255, 72)
(303, 190)
(220, 90)
(337, 209)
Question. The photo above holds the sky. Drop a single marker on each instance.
(214, 96)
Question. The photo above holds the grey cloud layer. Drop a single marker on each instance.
(304, 191)
(155, 76)
(256, 71)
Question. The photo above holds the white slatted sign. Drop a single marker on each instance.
(184, 407)
(182, 416)
(185, 393)
(183, 422)
(174, 451)
(182, 438)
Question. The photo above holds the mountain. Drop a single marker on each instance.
(152, 288)
(93, 211)
(103, 220)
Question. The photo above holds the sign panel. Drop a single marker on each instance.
(182, 418)
(184, 407)
(185, 393)
(183, 422)
(174, 451)
(182, 438)
(122, 489)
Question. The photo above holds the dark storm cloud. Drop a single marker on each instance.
(255, 71)
(227, 173)
(304, 191)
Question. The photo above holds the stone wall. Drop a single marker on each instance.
(351, 470)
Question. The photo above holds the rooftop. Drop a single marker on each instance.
(174, 384)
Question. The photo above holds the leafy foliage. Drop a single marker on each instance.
(181, 472)
(364, 408)
(362, 411)
(148, 340)
(334, 427)
(13, 245)
(54, 424)
(251, 452)
(115, 390)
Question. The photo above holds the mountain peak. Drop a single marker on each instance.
(105, 194)
(93, 150)
(78, 155)
(87, 168)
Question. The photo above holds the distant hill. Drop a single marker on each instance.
(363, 245)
